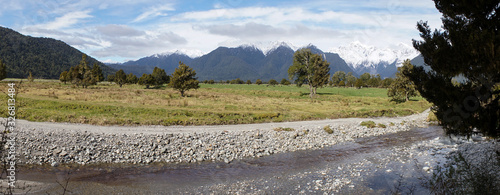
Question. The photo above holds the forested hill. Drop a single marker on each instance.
(44, 57)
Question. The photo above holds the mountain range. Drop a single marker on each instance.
(47, 58)
(249, 62)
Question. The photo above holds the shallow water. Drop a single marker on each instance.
(165, 178)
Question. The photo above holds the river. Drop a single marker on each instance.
(371, 165)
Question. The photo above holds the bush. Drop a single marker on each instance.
(369, 124)
(382, 125)
(284, 129)
(328, 129)
(462, 174)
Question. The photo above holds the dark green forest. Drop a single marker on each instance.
(44, 57)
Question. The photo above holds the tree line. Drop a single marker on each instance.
(182, 79)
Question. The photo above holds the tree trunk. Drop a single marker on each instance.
(311, 91)
(182, 93)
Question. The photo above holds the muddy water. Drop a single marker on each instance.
(164, 178)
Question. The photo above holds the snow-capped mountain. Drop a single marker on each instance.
(265, 47)
(384, 61)
(357, 54)
(192, 53)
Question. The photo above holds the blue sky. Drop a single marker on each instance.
(124, 30)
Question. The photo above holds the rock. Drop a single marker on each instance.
(54, 164)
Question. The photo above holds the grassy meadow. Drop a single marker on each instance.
(108, 104)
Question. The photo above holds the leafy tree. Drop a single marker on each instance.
(111, 78)
(359, 83)
(183, 79)
(147, 80)
(132, 79)
(387, 82)
(97, 75)
(160, 77)
(237, 81)
(467, 46)
(81, 75)
(258, 82)
(341, 84)
(273, 82)
(402, 88)
(64, 77)
(350, 80)
(364, 78)
(120, 77)
(249, 82)
(337, 77)
(309, 68)
(374, 81)
(285, 82)
(211, 82)
(3, 70)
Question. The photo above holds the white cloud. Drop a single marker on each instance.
(65, 21)
(154, 12)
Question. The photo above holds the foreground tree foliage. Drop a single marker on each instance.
(469, 46)
(184, 79)
(402, 88)
(309, 68)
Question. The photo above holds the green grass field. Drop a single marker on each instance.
(108, 104)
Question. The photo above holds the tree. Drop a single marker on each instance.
(273, 82)
(3, 70)
(402, 88)
(309, 68)
(249, 82)
(258, 82)
(285, 82)
(111, 78)
(159, 76)
(120, 77)
(337, 77)
(374, 81)
(30, 77)
(64, 77)
(359, 83)
(364, 78)
(80, 75)
(146, 80)
(341, 84)
(467, 46)
(237, 81)
(183, 79)
(97, 75)
(132, 79)
(350, 80)
(387, 82)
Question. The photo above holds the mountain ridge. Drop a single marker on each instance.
(43, 57)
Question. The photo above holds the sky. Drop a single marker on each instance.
(118, 31)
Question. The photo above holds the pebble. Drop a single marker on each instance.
(81, 147)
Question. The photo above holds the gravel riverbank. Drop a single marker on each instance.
(55, 143)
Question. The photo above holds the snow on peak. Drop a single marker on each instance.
(357, 54)
(275, 45)
(187, 52)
